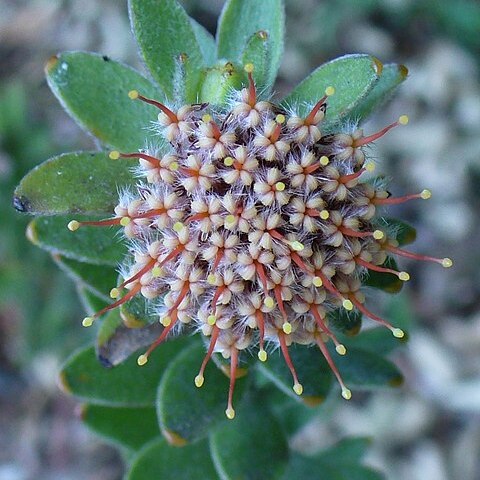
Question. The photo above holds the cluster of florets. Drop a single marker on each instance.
(252, 226)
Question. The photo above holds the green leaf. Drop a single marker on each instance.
(364, 370)
(99, 279)
(168, 43)
(97, 245)
(384, 281)
(344, 321)
(347, 450)
(241, 20)
(313, 373)
(137, 312)
(205, 41)
(93, 89)
(126, 385)
(352, 76)
(130, 428)
(117, 340)
(219, 81)
(246, 360)
(400, 312)
(74, 183)
(252, 448)
(160, 461)
(187, 413)
(398, 229)
(256, 52)
(108, 329)
(376, 340)
(91, 303)
(311, 467)
(380, 339)
(290, 413)
(392, 76)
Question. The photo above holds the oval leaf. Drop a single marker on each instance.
(205, 41)
(400, 230)
(348, 450)
(138, 312)
(352, 76)
(384, 281)
(187, 413)
(241, 19)
(99, 279)
(125, 427)
(400, 311)
(256, 52)
(158, 460)
(219, 81)
(378, 339)
(90, 302)
(168, 43)
(74, 183)
(93, 89)
(364, 370)
(313, 373)
(97, 245)
(392, 76)
(344, 321)
(290, 413)
(117, 341)
(311, 467)
(126, 385)
(252, 448)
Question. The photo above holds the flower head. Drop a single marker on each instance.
(253, 227)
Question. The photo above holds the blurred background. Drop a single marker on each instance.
(430, 428)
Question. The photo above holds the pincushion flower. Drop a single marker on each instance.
(311, 232)
(252, 222)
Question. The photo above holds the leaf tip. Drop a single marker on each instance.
(355, 330)
(31, 232)
(377, 66)
(20, 203)
(63, 383)
(174, 439)
(397, 381)
(403, 70)
(82, 412)
(50, 64)
(313, 401)
(240, 372)
(262, 34)
(104, 360)
(405, 338)
(130, 319)
(395, 287)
